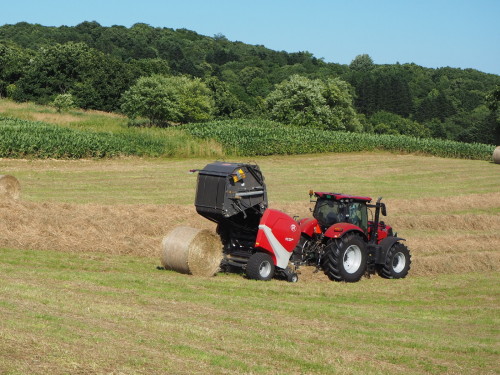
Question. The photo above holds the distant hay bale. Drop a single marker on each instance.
(10, 188)
(496, 155)
(192, 251)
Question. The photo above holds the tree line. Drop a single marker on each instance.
(180, 76)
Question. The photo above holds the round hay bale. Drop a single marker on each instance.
(496, 155)
(10, 188)
(192, 251)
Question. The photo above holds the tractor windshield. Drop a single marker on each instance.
(329, 212)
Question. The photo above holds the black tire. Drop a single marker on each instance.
(292, 277)
(345, 258)
(397, 262)
(260, 266)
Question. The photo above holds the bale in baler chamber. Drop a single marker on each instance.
(10, 188)
(192, 251)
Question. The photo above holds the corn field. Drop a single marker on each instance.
(261, 137)
(22, 138)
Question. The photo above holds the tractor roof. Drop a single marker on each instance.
(340, 196)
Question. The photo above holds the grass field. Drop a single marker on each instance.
(103, 314)
(80, 292)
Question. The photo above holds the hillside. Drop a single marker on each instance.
(37, 131)
(97, 64)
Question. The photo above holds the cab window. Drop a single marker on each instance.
(358, 215)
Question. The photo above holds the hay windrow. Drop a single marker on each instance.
(461, 243)
(10, 188)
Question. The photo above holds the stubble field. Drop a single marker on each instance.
(80, 292)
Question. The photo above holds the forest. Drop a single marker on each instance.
(101, 67)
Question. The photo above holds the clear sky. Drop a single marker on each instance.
(431, 33)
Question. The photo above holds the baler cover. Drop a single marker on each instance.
(228, 189)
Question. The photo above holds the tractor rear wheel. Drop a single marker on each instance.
(260, 266)
(397, 262)
(345, 258)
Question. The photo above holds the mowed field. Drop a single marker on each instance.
(80, 292)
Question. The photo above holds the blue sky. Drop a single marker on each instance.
(431, 33)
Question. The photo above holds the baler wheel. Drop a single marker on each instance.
(397, 262)
(260, 266)
(345, 258)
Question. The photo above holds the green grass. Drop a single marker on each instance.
(288, 178)
(95, 313)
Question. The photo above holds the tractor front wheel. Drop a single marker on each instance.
(397, 262)
(345, 258)
(260, 266)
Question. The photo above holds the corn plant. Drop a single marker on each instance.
(261, 137)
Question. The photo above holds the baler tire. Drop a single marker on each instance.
(345, 259)
(397, 262)
(292, 278)
(260, 266)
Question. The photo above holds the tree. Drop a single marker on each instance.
(95, 80)
(305, 102)
(63, 102)
(226, 104)
(361, 63)
(391, 123)
(164, 100)
(12, 62)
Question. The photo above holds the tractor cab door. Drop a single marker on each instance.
(357, 214)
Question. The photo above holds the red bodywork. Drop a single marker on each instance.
(311, 227)
(338, 197)
(278, 234)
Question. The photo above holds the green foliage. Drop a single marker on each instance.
(95, 80)
(389, 123)
(262, 137)
(97, 64)
(362, 63)
(301, 101)
(226, 104)
(63, 102)
(21, 138)
(164, 99)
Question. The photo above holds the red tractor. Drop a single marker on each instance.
(263, 243)
(341, 239)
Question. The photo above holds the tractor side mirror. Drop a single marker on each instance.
(384, 210)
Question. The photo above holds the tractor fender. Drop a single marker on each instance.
(341, 229)
(307, 226)
(385, 245)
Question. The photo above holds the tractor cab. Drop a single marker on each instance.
(333, 208)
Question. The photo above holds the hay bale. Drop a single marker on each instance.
(10, 188)
(192, 251)
(496, 155)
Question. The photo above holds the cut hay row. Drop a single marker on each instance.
(138, 230)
